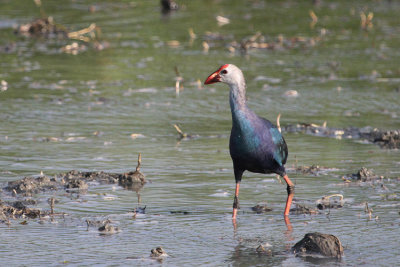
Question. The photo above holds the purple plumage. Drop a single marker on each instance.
(256, 145)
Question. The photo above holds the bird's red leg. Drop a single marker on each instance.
(290, 191)
(236, 201)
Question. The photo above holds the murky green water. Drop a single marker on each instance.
(349, 77)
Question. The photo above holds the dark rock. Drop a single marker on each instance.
(319, 244)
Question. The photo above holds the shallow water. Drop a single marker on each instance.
(349, 78)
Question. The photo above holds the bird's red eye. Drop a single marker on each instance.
(224, 71)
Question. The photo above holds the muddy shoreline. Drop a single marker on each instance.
(389, 139)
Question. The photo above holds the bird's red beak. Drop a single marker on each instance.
(213, 78)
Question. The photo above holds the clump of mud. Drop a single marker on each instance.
(313, 169)
(384, 138)
(364, 175)
(70, 181)
(303, 209)
(326, 202)
(16, 209)
(76, 180)
(261, 208)
(32, 185)
(317, 244)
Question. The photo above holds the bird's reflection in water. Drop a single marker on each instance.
(287, 233)
(257, 252)
(136, 187)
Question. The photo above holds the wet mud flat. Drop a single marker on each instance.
(73, 181)
(389, 139)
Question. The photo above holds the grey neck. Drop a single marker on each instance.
(237, 97)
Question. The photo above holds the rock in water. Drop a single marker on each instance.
(317, 243)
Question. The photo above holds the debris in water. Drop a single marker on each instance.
(168, 5)
(178, 81)
(319, 244)
(93, 223)
(74, 48)
(180, 212)
(28, 186)
(366, 21)
(314, 19)
(107, 228)
(326, 203)
(303, 209)
(291, 93)
(385, 139)
(136, 135)
(222, 20)
(261, 208)
(45, 27)
(128, 179)
(183, 135)
(31, 185)
(4, 86)
(76, 184)
(158, 252)
(364, 174)
(17, 209)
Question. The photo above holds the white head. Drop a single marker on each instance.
(229, 74)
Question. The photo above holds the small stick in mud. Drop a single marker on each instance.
(368, 210)
(79, 35)
(178, 80)
(52, 202)
(139, 162)
(182, 135)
